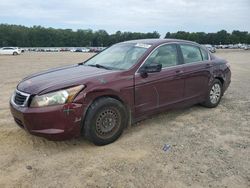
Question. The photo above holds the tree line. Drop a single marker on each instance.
(221, 37)
(37, 36)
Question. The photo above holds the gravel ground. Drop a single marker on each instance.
(203, 147)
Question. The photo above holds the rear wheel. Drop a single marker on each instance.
(214, 94)
(14, 53)
(105, 121)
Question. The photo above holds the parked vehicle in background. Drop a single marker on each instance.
(246, 47)
(124, 84)
(225, 46)
(54, 50)
(97, 49)
(80, 50)
(210, 48)
(64, 49)
(10, 51)
(85, 50)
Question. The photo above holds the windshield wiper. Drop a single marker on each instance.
(100, 66)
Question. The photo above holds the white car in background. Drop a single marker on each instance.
(10, 51)
(210, 48)
(246, 47)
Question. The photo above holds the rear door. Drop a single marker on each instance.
(196, 70)
(161, 88)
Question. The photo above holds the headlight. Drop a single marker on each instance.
(55, 98)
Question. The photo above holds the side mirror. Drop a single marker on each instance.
(153, 67)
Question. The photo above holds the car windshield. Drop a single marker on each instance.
(118, 57)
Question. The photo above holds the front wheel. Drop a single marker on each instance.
(214, 94)
(14, 53)
(105, 121)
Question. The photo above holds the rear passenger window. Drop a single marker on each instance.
(190, 53)
(204, 54)
(165, 55)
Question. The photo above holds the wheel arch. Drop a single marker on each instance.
(107, 95)
(221, 79)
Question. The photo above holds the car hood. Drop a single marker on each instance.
(59, 78)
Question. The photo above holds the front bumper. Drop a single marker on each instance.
(58, 122)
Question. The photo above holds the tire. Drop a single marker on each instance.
(14, 53)
(105, 120)
(214, 94)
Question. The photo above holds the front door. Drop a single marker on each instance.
(161, 88)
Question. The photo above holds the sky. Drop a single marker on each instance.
(130, 15)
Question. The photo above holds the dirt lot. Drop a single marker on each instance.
(208, 147)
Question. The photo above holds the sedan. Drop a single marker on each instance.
(123, 84)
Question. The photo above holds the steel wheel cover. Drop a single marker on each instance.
(108, 122)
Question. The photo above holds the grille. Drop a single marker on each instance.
(20, 99)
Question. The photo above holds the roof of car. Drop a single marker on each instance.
(157, 41)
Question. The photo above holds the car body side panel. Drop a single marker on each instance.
(197, 76)
(157, 90)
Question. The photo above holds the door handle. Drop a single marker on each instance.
(208, 65)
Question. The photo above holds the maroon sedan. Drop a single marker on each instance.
(124, 84)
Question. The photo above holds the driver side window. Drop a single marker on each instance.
(165, 55)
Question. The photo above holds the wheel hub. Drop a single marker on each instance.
(215, 93)
(108, 121)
